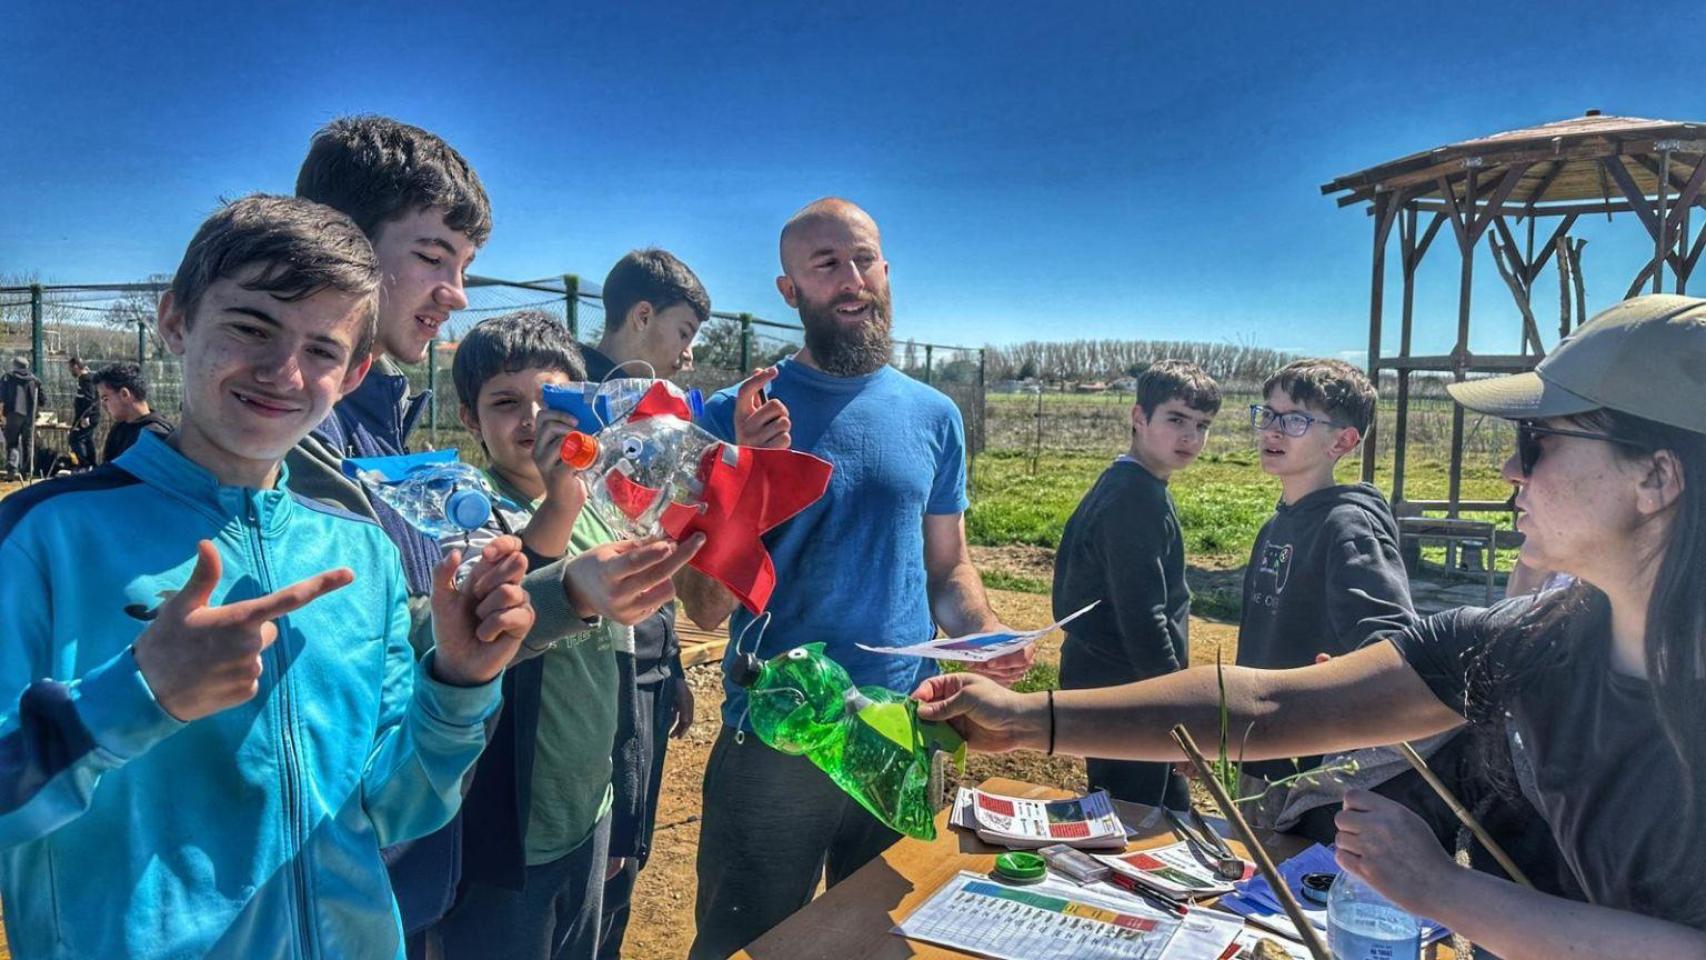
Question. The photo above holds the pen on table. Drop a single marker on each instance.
(1153, 897)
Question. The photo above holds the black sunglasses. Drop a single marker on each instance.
(1528, 434)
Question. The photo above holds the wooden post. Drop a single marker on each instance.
(1407, 249)
(1385, 206)
(1563, 255)
(1460, 356)
(1264, 862)
(745, 344)
(1660, 246)
(927, 349)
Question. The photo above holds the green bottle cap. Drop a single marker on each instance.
(1020, 867)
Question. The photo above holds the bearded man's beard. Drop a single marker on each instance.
(844, 350)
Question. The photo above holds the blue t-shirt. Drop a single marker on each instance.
(850, 567)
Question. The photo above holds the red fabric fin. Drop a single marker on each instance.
(660, 402)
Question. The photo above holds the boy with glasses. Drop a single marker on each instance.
(1325, 576)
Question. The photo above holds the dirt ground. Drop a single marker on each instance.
(662, 924)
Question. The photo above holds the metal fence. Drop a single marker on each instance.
(110, 322)
(1043, 419)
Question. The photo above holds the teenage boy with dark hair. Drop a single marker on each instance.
(124, 396)
(539, 809)
(653, 308)
(85, 415)
(426, 213)
(211, 732)
(1123, 547)
(1325, 576)
(425, 210)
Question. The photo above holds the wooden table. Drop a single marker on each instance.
(853, 918)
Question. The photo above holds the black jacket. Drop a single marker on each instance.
(1324, 577)
(1123, 547)
(20, 392)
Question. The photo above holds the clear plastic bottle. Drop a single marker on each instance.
(867, 739)
(441, 500)
(638, 468)
(1364, 925)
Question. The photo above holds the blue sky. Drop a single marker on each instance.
(1039, 170)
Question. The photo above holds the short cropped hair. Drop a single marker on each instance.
(1178, 380)
(523, 340)
(1333, 387)
(301, 248)
(123, 376)
(378, 170)
(651, 276)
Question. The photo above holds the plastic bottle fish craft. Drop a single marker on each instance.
(868, 739)
(650, 470)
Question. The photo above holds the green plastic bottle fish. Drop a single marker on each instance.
(868, 739)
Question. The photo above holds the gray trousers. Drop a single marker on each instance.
(773, 826)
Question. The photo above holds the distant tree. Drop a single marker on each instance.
(1028, 369)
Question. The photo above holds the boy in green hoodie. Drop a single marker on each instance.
(538, 823)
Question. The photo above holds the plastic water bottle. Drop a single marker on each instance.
(1363, 925)
(638, 468)
(867, 739)
(441, 500)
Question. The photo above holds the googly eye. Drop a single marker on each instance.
(798, 653)
(632, 448)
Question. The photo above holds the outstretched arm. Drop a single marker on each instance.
(1365, 698)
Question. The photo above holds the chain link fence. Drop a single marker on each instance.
(109, 323)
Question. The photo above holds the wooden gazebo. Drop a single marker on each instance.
(1493, 187)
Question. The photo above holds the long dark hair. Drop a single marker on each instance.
(1675, 646)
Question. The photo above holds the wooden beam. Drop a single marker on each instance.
(1544, 185)
(1420, 247)
(1637, 200)
(1485, 217)
(1556, 210)
(1546, 252)
(1471, 363)
(1455, 212)
(1508, 261)
(1676, 183)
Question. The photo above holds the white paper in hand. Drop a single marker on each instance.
(978, 647)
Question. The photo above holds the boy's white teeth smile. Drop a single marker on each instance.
(263, 404)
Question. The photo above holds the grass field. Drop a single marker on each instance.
(1223, 498)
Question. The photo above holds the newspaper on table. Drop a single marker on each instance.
(1057, 920)
(1087, 822)
(1174, 870)
(977, 647)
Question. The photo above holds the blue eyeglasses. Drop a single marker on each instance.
(1292, 423)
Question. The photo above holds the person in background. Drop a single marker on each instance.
(653, 308)
(21, 398)
(124, 397)
(1122, 550)
(85, 415)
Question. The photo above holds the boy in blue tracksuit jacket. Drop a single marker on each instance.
(207, 732)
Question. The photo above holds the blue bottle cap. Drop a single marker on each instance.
(468, 509)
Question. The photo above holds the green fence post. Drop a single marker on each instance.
(927, 349)
(571, 304)
(35, 328)
(432, 390)
(745, 343)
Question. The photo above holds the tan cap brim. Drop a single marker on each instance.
(1522, 396)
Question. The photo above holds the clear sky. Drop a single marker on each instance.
(1039, 170)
